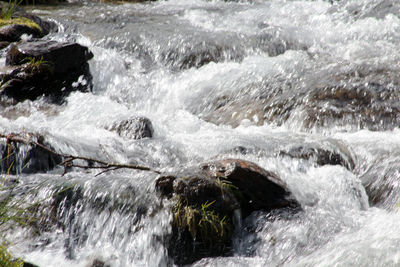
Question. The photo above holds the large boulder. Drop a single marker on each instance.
(48, 68)
(208, 200)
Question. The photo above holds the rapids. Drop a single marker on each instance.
(204, 72)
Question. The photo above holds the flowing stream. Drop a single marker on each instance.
(222, 79)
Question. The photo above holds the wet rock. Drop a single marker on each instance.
(99, 263)
(206, 200)
(13, 32)
(186, 54)
(199, 56)
(367, 106)
(381, 182)
(21, 158)
(321, 156)
(45, 25)
(372, 106)
(64, 56)
(165, 185)
(258, 188)
(4, 44)
(203, 213)
(275, 109)
(28, 264)
(134, 128)
(54, 69)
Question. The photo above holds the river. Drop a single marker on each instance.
(212, 76)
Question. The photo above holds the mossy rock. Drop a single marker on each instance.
(207, 198)
(20, 21)
(12, 29)
(202, 218)
(54, 70)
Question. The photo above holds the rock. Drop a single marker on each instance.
(189, 53)
(274, 109)
(21, 158)
(364, 98)
(55, 69)
(321, 156)
(28, 264)
(206, 200)
(64, 56)
(134, 128)
(372, 106)
(99, 263)
(381, 182)
(202, 224)
(259, 189)
(46, 25)
(4, 44)
(13, 32)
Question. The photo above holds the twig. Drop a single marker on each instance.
(69, 159)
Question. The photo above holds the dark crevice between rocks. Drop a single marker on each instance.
(28, 159)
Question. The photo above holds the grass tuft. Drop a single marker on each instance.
(202, 222)
(7, 260)
(7, 12)
(35, 65)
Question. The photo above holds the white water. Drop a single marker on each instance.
(262, 47)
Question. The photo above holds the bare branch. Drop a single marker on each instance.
(69, 159)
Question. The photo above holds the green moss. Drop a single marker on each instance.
(20, 21)
(6, 259)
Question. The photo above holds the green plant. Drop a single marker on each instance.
(7, 260)
(202, 222)
(38, 65)
(211, 225)
(12, 212)
(7, 12)
(225, 185)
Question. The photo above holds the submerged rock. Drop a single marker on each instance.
(99, 263)
(134, 128)
(21, 158)
(368, 106)
(206, 200)
(381, 182)
(372, 107)
(54, 69)
(321, 156)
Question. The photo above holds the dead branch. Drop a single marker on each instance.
(28, 139)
